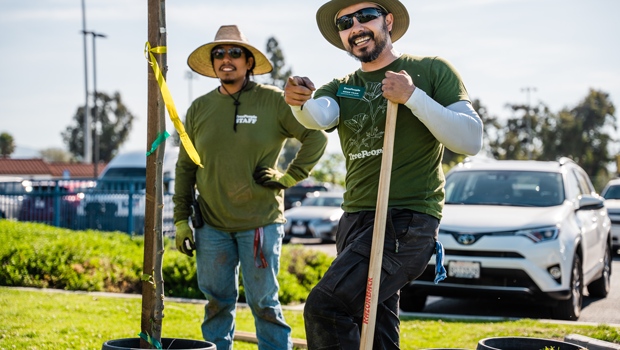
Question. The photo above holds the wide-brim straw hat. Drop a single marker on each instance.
(326, 18)
(200, 60)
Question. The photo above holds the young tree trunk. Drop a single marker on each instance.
(152, 287)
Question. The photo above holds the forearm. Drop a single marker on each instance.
(313, 144)
(185, 180)
(318, 114)
(457, 126)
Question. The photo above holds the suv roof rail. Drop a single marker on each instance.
(478, 158)
(565, 160)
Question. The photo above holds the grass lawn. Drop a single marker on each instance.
(51, 320)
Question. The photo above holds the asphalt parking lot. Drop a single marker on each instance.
(595, 310)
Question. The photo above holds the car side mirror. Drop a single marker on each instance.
(588, 202)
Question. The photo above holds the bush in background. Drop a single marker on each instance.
(42, 256)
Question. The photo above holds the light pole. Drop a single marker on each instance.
(95, 117)
(189, 75)
(528, 120)
(86, 127)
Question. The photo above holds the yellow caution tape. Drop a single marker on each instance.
(172, 111)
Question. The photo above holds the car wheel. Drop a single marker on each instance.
(600, 287)
(410, 301)
(570, 309)
(286, 239)
(329, 240)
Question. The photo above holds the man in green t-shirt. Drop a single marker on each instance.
(434, 112)
(238, 131)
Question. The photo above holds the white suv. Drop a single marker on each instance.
(529, 229)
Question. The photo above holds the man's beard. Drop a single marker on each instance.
(380, 43)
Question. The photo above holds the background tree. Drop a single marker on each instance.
(491, 130)
(279, 74)
(331, 168)
(7, 145)
(583, 134)
(57, 155)
(520, 138)
(115, 121)
(278, 77)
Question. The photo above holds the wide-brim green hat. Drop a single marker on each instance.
(326, 18)
(200, 60)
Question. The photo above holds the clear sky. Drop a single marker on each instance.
(562, 48)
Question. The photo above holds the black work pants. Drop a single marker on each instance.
(334, 309)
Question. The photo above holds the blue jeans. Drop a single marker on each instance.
(218, 256)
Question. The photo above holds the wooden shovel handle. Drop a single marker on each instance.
(376, 252)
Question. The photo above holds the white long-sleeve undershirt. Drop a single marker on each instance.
(318, 114)
(457, 126)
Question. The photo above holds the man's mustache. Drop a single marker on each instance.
(356, 36)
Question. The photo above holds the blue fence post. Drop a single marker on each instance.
(56, 204)
(132, 189)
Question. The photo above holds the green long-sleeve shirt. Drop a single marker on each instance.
(229, 199)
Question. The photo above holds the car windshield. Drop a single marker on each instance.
(514, 188)
(612, 192)
(126, 172)
(322, 201)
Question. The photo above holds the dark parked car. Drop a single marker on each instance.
(11, 191)
(50, 202)
(316, 217)
(294, 195)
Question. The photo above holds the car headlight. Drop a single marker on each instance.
(542, 234)
(331, 220)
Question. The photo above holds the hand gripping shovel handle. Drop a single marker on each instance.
(376, 251)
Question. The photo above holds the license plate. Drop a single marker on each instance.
(464, 269)
(298, 229)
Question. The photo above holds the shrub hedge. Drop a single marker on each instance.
(42, 256)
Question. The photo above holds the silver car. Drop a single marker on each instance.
(316, 217)
(611, 193)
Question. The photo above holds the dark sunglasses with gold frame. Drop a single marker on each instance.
(234, 52)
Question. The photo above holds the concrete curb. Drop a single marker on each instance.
(590, 343)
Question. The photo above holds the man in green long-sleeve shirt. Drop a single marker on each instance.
(239, 130)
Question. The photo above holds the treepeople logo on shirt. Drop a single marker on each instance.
(368, 140)
(246, 119)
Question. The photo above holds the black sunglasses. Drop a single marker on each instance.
(364, 15)
(234, 52)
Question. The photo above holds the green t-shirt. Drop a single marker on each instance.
(417, 178)
(230, 200)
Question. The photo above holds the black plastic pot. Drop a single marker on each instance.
(167, 343)
(524, 343)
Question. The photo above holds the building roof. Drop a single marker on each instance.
(37, 168)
